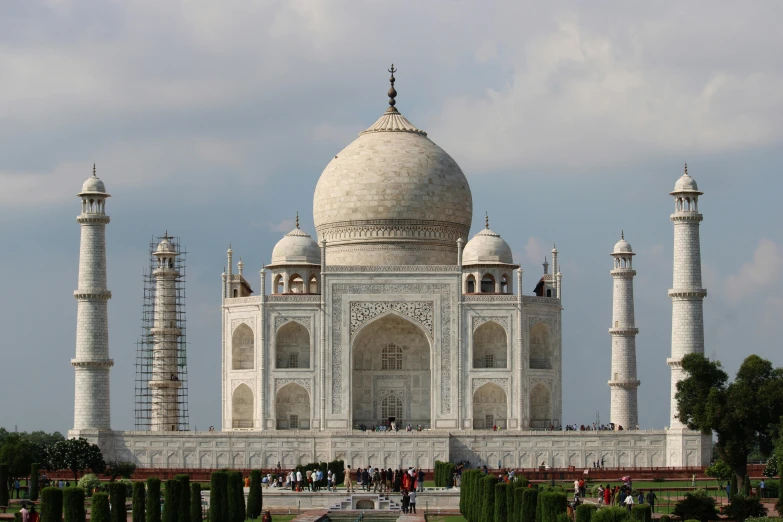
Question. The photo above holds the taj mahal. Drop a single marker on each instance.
(391, 312)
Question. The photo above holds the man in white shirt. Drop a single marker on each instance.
(299, 481)
(629, 502)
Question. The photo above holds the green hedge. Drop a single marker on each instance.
(4, 493)
(529, 505)
(117, 500)
(73, 504)
(488, 498)
(196, 515)
(52, 505)
(563, 517)
(510, 500)
(665, 518)
(137, 510)
(236, 497)
(552, 504)
(171, 501)
(32, 492)
(153, 500)
(100, 511)
(183, 513)
(467, 494)
(611, 514)
(218, 505)
(584, 512)
(255, 503)
(641, 513)
(501, 502)
(516, 513)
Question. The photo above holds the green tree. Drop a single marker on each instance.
(501, 502)
(552, 503)
(487, 498)
(584, 512)
(236, 497)
(73, 504)
(611, 514)
(196, 515)
(4, 485)
(153, 500)
(76, 455)
(743, 413)
(516, 514)
(218, 506)
(696, 506)
(254, 498)
(120, 468)
(52, 505)
(19, 454)
(171, 501)
(184, 497)
(137, 509)
(720, 471)
(32, 491)
(529, 505)
(117, 494)
(743, 507)
(100, 512)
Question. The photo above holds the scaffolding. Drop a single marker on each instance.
(162, 347)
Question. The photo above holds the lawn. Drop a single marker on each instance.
(445, 518)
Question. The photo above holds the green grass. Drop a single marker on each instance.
(445, 518)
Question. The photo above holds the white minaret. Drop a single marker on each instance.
(92, 364)
(623, 384)
(165, 331)
(687, 294)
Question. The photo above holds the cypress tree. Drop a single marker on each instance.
(733, 489)
(138, 502)
(4, 492)
(32, 491)
(236, 497)
(478, 492)
(117, 492)
(529, 505)
(488, 500)
(552, 503)
(100, 511)
(746, 486)
(153, 500)
(584, 512)
(196, 515)
(466, 494)
(218, 510)
(52, 505)
(184, 497)
(510, 500)
(516, 514)
(171, 501)
(73, 504)
(254, 506)
(501, 502)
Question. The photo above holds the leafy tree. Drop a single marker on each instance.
(117, 493)
(584, 512)
(696, 506)
(502, 490)
(137, 510)
(19, 454)
(153, 500)
(100, 512)
(196, 515)
(529, 504)
(720, 471)
(742, 507)
(218, 491)
(487, 498)
(184, 497)
(772, 466)
(120, 468)
(51, 505)
(254, 495)
(73, 504)
(32, 490)
(76, 455)
(236, 497)
(4, 486)
(171, 501)
(743, 413)
(611, 514)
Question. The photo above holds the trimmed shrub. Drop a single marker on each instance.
(742, 507)
(552, 504)
(218, 505)
(510, 501)
(463, 492)
(153, 500)
(516, 513)
(697, 506)
(100, 511)
(52, 505)
(488, 498)
(89, 483)
(183, 514)
(641, 513)
(32, 491)
(4, 493)
(610, 514)
(665, 518)
(138, 502)
(529, 505)
(171, 501)
(236, 497)
(691, 520)
(501, 502)
(73, 504)
(117, 500)
(563, 517)
(585, 512)
(254, 505)
(196, 515)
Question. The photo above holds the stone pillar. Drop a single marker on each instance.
(623, 382)
(261, 353)
(165, 383)
(523, 419)
(322, 350)
(91, 364)
(687, 294)
(460, 350)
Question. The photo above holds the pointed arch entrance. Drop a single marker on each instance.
(391, 373)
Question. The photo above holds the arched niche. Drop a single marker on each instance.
(391, 373)
(242, 353)
(490, 346)
(540, 347)
(292, 346)
(292, 408)
(242, 407)
(488, 284)
(540, 407)
(490, 407)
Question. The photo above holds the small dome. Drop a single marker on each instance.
(93, 184)
(296, 247)
(686, 184)
(487, 247)
(622, 247)
(165, 246)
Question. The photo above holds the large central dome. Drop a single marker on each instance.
(392, 197)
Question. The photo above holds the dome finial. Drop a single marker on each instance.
(93, 171)
(392, 91)
(486, 220)
(686, 168)
(622, 234)
(297, 219)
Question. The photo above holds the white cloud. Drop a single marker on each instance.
(762, 271)
(284, 226)
(535, 251)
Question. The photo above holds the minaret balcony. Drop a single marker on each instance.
(624, 330)
(625, 383)
(163, 384)
(97, 219)
(92, 293)
(686, 216)
(99, 363)
(685, 293)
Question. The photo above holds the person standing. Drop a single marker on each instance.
(17, 486)
(629, 502)
(299, 481)
(651, 500)
(421, 480)
(25, 514)
(33, 513)
(348, 485)
(607, 496)
(412, 501)
(693, 480)
(763, 488)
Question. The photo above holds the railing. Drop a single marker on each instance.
(283, 424)
(241, 424)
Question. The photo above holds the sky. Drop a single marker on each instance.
(213, 121)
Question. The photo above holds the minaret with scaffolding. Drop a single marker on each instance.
(161, 366)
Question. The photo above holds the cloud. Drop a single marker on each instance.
(762, 271)
(284, 226)
(535, 251)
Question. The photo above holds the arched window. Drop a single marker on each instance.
(296, 284)
(540, 347)
(313, 285)
(504, 284)
(549, 292)
(490, 346)
(242, 407)
(242, 348)
(470, 285)
(278, 286)
(487, 284)
(292, 344)
(391, 407)
(391, 357)
(236, 292)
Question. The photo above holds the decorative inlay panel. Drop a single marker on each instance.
(547, 320)
(304, 383)
(479, 320)
(236, 382)
(478, 298)
(546, 382)
(249, 321)
(393, 268)
(502, 382)
(304, 321)
(337, 292)
(420, 311)
(293, 298)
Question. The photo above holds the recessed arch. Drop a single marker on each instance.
(242, 407)
(540, 407)
(277, 285)
(313, 285)
(242, 348)
(292, 346)
(292, 407)
(487, 283)
(490, 346)
(470, 284)
(505, 284)
(540, 347)
(490, 407)
(296, 284)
